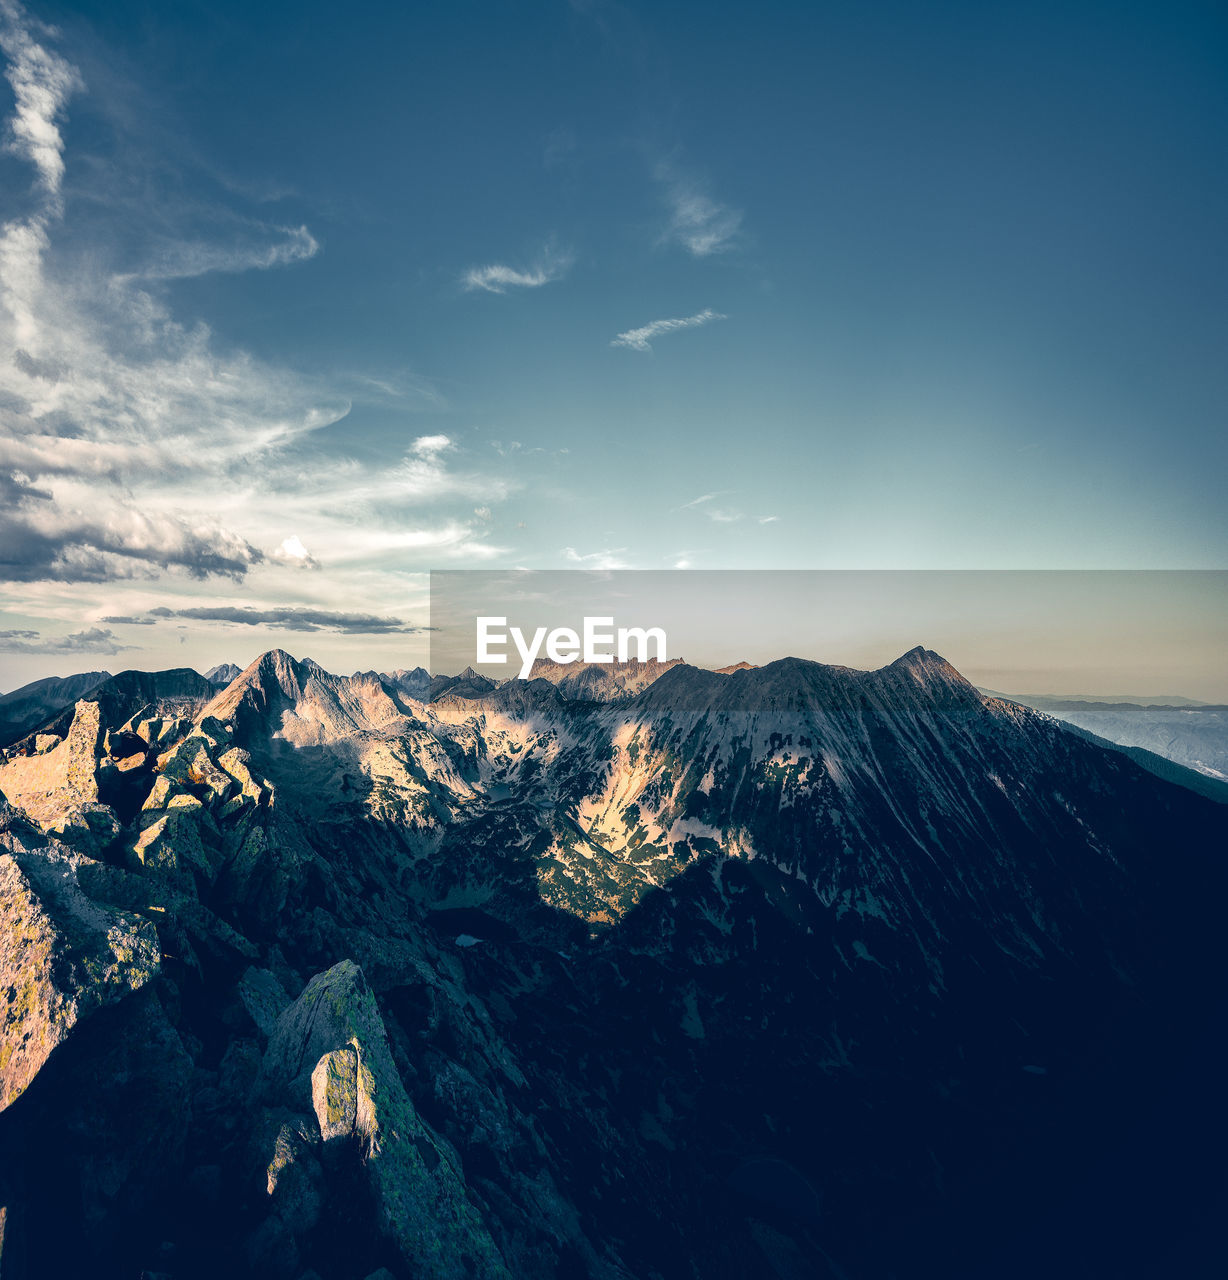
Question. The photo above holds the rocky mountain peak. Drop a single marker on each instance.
(932, 673)
(602, 681)
(279, 696)
(223, 673)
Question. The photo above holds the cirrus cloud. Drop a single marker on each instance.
(552, 264)
(699, 223)
(641, 339)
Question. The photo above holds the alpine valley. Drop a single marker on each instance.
(641, 971)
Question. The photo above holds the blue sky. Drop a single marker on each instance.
(298, 303)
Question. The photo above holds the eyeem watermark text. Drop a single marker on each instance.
(597, 641)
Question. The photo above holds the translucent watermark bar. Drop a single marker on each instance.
(1067, 633)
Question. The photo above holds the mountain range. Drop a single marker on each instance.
(1192, 734)
(789, 970)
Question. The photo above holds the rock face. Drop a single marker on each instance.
(329, 1050)
(62, 777)
(302, 703)
(606, 682)
(223, 674)
(414, 683)
(783, 971)
(62, 957)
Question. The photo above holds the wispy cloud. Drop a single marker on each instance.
(641, 339)
(552, 264)
(722, 514)
(132, 444)
(718, 515)
(42, 84)
(93, 640)
(293, 619)
(609, 558)
(699, 223)
(452, 540)
(181, 260)
(703, 497)
(104, 392)
(509, 449)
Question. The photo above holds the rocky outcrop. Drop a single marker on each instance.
(63, 957)
(329, 1052)
(62, 778)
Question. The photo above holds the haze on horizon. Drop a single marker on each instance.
(295, 309)
(1066, 633)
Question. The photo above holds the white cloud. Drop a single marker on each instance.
(721, 514)
(641, 339)
(180, 260)
(609, 558)
(133, 444)
(109, 409)
(703, 497)
(430, 446)
(455, 539)
(293, 552)
(42, 84)
(701, 224)
(551, 265)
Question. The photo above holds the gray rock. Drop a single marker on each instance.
(62, 957)
(334, 1094)
(419, 1192)
(295, 1181)
(263, 997)
(62, 778)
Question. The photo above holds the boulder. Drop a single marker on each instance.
(334, 1094)
(329, 1051)
(170, 842)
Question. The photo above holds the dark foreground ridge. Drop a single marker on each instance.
(783, 971)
